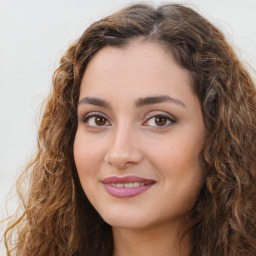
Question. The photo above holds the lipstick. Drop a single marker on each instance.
(128, 186)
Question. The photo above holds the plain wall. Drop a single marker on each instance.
(33, 36)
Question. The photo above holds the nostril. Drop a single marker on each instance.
(117, 160)
(122, 160)
(124, 149)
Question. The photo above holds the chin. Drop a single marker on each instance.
(125, 220)
(127, 224)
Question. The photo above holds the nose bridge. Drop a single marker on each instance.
(123, 148)
(122, 133)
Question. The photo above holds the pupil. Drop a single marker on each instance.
(100, 120)
(160, 121)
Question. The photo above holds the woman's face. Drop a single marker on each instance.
(140, 133)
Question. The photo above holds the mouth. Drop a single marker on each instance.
(128, 186)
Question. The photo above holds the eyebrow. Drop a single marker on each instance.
(139, 103)
(94, 101)
(158, 99)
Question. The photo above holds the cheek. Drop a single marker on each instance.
(180, 169)
(176, 153)
(87, 155)
(86, 158)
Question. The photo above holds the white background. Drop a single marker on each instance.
(33, 36)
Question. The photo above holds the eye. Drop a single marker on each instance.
(95, 120)
(160, 121)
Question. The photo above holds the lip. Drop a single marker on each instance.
(123, 192)
(127, 179)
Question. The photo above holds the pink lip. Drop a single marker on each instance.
(126, 179)
(122, 192)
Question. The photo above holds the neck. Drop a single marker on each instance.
(164, 241)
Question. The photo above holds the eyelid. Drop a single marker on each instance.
(93, 113)
(86, 116)
(160, 113)
(154, 114)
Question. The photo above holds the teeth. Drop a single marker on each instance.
(127, 185)
(137, 184)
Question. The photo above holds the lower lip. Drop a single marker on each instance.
(126, 192)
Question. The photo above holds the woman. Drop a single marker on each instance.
(146, 145)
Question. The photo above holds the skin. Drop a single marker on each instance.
(130, 141)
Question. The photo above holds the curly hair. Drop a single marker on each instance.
(58, 219)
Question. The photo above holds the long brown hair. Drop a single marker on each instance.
(57, 217)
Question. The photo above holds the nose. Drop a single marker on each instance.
(124, 149)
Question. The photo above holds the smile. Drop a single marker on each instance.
(129, 186)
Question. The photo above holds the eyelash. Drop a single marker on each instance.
(169, 119)
(87, 118)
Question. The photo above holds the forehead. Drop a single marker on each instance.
(140, 66)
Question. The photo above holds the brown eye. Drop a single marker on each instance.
(99, 120)
(160, 120)
(95, 121)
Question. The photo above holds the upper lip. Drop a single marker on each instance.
(127, 179)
